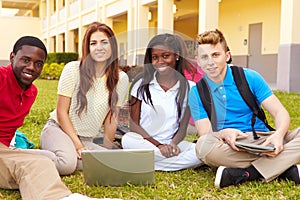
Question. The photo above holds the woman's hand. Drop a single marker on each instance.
(79, 150)
(176, 149)
(169, 150)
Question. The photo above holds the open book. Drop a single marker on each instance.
(254, 147)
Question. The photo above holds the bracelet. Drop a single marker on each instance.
(158, 144)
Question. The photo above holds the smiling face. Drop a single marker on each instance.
(212, 59)
(27, 64)
(163, 59)
(100, 48)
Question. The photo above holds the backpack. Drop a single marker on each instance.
(21, 141)
(245, 92)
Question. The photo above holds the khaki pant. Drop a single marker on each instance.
(58, 146)
(34, 175)
(213, 151)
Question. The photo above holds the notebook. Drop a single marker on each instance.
(254, 148)
(118, 167)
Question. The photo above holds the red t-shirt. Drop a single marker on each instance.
(15, 104)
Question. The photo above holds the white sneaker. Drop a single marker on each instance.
(76, 196)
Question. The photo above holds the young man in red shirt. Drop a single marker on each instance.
(34, 175)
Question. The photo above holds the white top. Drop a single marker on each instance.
(90, 122)
(161, 122)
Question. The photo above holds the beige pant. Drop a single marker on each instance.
(215, 152)
(54, 140)
(34, 175)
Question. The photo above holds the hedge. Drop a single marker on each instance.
(63, 57)
(52, 71)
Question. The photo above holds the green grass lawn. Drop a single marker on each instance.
(185, 184)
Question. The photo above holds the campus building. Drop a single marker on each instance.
(262, 34)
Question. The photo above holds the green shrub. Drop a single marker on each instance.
(52, 71)
(63, 57)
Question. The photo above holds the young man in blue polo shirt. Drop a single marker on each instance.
(233, 122)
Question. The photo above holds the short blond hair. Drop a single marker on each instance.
(212, 37)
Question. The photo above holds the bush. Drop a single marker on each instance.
(52, 71)
(63, 57)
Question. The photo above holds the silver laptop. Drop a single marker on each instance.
(118, 167)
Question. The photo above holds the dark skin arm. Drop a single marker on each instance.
(180, 134)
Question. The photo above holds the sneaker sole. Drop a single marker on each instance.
(298, 167)
(219, 176)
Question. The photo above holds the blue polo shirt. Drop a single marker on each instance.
(231, 110)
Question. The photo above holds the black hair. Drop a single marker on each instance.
(31, 41)
(170, 41)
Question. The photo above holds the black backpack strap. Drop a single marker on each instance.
(207, 101)
(248, 97)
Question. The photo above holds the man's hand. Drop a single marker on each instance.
(229, 136)
(276, 140)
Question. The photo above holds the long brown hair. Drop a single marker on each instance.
(88, 70)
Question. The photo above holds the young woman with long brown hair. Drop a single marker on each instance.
(89, 94)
